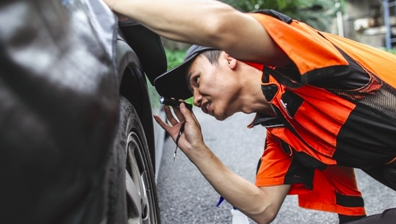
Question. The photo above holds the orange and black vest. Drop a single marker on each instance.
(337, 99)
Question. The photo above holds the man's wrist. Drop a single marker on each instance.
(203, 158)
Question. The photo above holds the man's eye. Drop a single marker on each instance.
(196, 80)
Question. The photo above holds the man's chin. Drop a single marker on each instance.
(222, 117)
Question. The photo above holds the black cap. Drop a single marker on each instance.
(173, 83)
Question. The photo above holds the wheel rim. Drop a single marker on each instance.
(139, 195)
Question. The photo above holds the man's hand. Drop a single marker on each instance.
(191, 140)
(260, 204)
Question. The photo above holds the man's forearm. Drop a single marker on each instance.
(174, 19)
(244, 195)
(205, 22)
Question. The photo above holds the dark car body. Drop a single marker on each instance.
(65, 66)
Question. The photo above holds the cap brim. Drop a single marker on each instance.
(174, 83)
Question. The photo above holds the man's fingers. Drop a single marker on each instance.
(169, 116)
(178, 114)
(186, 113)
(170, 129)
(161, 122)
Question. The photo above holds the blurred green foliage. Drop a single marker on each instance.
(174, 57)
(393, 51)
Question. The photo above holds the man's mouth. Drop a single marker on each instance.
(205, 107)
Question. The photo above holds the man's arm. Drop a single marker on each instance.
(260, 204)
(207, 23)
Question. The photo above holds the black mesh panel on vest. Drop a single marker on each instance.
(384, 100)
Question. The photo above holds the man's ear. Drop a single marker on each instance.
(231, 61)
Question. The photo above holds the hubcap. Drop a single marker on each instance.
(139, 198)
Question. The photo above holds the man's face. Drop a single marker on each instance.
(215, 87)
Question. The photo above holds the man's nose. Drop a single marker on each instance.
(197, 98)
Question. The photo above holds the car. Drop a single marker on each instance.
(78, 143)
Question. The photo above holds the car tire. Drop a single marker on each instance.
(132, 188)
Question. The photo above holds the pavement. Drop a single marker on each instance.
(185, 197)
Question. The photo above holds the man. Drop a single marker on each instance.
(327, 103)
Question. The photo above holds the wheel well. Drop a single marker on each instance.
(133, 86)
